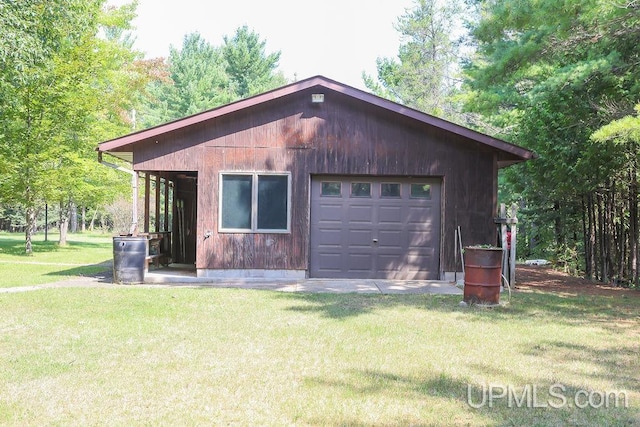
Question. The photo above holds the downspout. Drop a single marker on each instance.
(133, 230)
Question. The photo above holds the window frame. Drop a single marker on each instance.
(399, 184)
(369, 196)
(412, 196)
(255, 176)
(330, 182)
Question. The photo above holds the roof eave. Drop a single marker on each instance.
(324, 82)
(207, 115)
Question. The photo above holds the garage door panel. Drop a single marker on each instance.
(415, 268)
(360, 214)
(419, 215)
(360, 262)
(390, 239)
(329, 237)
(329, 262)
(417, 256)
(389, 262)
(375, 237)
(359, 238)
(330, 212)
(422, 224)
(418, 239)
(390, 215)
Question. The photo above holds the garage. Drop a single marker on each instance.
(375, 227)
(388, 183)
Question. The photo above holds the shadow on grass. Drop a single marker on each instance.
(500, 404)
(606, 312)
(103, 270)
(369, 382)
(342, 306)
(11, 246)
(619, 364)
(603, 311)
(613, 367)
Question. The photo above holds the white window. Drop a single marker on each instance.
(255, 202)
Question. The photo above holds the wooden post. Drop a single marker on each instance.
(133, 230)
(165, 223)
(514, 233)
(508, 223)
(147, 182)
(504, 242)
(157, 219)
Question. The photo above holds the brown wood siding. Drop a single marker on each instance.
(341, 136)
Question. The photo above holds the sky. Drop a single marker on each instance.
(338, 39)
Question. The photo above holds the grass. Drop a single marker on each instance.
(134, 355)
(85, 254)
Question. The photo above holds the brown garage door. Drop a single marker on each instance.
(380, 228)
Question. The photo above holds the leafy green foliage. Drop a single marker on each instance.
(200, 76)
(195, 81)
(423, 75)
(61, 84)
(623, 131)
(549, 74)
(249, 67)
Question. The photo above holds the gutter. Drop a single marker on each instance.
(133, 230)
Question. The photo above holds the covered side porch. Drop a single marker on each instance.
(164, 213)
(169, 219)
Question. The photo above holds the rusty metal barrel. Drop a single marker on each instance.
(129, 258)
(482, 274)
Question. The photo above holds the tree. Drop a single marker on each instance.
(249, 67)
(624, 136)
(424, 75)
(549, 74)
(195, 81)
(56, 79)
(200, 76)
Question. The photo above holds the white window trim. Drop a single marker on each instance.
(254, 203)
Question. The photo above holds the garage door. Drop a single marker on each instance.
(379, 228)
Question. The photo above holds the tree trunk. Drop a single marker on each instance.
(633, 223)
(29, 229)
(73, 217)
(601, 238)
(593, 234)
(586, 232)
(93, 219)
(64, 223)
(622, 237)
(83, 226)
(558, 224)
(609, 232)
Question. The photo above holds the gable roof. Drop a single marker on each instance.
(515, 154)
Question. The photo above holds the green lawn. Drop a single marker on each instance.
(133, 355)
(182, 356)
(85, 254)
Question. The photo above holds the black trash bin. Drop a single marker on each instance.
(129, 258)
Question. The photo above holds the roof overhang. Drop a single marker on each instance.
(509, 154)
(127, 156)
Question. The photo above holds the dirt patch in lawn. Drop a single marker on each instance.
(532, 278)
